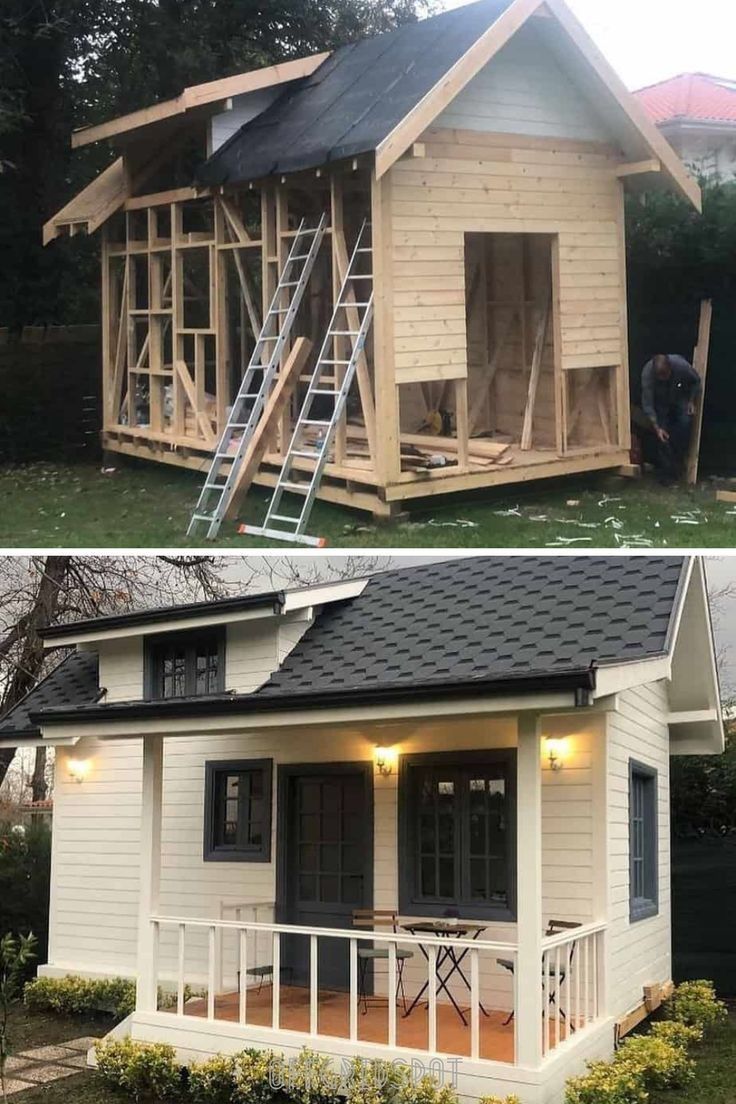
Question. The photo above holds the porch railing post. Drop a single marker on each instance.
(150, 874)
(529, 1013)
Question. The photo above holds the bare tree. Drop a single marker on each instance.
(36, 592)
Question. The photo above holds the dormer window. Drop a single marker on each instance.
(185, 665)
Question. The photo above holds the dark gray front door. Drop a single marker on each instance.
(327, 863)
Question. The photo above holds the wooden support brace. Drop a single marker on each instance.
(262, 435)
(700, 363)
(637, 168)
(492, 369)
(202, 419)
(541, 339)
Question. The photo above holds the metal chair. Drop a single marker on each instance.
(373, 919)
(554, 927)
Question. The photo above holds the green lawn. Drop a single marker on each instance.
(35, 1030)
(147, 505)
(715, 1078)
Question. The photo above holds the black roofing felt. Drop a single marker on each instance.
(353, 100)
(486, 618)
(73, 682)
(453, 626)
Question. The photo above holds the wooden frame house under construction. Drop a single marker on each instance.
(487, 149)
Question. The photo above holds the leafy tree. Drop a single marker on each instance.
(69, 63)
(25, 875)
(677, 257)
(703, 790)
(15, 955)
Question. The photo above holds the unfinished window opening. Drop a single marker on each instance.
(196, 288)
(161, 226)
(197, 221)
(137, 226)
(590, 407)
(510, 338)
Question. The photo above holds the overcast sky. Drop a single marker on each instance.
(649, 40)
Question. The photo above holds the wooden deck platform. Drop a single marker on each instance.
(453, 1037)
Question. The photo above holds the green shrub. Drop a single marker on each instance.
(695, 1004)
(257, 1076)
(659, 1063)
(678, 1034)
(147, 1072)
(427, 1090)
(77, 996)
(312, 1079)
(499, 1100)
(607, 1083)
(374, 1082)
(213, 1081)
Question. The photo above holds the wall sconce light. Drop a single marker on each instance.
(78, 769)
(556, 750)
(386, 759)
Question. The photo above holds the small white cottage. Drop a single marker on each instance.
(423, 815)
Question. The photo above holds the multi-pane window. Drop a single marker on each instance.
(186, 665)
(238, 811)
(457, 835)
(643, 866)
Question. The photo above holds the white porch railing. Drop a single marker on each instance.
(571, 980)
(573, 983)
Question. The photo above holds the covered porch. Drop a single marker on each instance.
(495, 986)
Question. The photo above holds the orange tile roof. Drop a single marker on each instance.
(692, 97)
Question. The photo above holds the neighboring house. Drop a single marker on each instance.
(488, 149)
(483, 741)
(697, 115)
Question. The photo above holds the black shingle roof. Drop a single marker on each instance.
(74, 681)
(451, 624)
(486, 617)
(353, 100)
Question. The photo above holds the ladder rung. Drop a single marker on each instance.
(344, 333)
(203, 517)
(365, 249)
(290, 283)
(282, 517)
(299, 257)
(307, 455)
(344, 304)
(295, 488)
(361, 276)
(334, 362)
(311, 421)
(323, 391)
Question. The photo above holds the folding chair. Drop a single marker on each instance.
(554, 927)
(372, 920)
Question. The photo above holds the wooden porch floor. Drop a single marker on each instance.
(453, 1037)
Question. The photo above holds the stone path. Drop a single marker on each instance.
(46, 1064)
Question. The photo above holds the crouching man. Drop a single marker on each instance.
(670, 387)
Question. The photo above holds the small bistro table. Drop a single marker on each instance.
(449, 955)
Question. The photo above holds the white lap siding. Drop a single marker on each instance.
(640, 952)
(97, 845)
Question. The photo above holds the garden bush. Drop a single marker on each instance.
(257, 1074)
(499, 1100)
(695, 1004)
(374, 1081)
(149, 1073)
(427, 1090)
(679, 1034)
(660, 1063)
(213, 1081)
(607, 1083)
(77, 996)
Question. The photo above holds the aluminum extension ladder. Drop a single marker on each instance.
(356, 294)
(258, 380)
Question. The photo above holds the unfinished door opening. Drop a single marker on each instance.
(510, 338)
